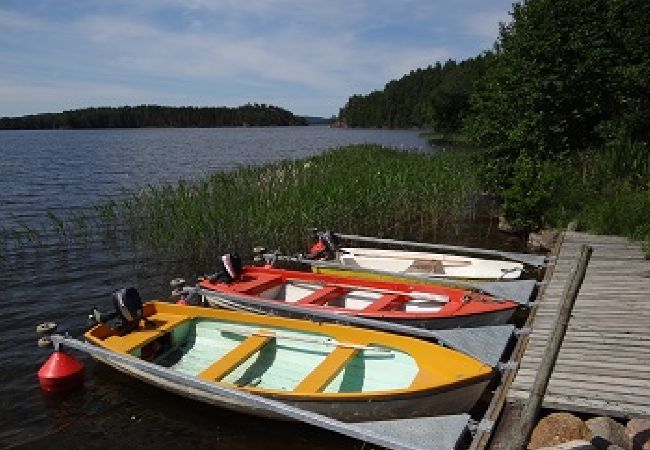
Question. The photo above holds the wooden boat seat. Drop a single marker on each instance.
(257, 284)
(323, 295)
(328, 368)
(231, 360)
(385, 302)
(135, 339)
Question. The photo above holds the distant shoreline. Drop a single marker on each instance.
(155, 116)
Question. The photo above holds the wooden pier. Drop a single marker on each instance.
(603, 366)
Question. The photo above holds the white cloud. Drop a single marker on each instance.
(28, 98)
(485, 24)
(254, 50)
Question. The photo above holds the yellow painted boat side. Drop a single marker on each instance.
(439, 368)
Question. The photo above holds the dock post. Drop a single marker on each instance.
(529, 415)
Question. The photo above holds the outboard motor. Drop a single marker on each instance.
(127, 306)
(326, 246)
(229, 269)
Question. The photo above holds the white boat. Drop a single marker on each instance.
(434, 265)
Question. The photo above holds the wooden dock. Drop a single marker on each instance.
(603, 366)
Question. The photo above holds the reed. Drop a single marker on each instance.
(364, 189)
(58, 225)
(608, 192)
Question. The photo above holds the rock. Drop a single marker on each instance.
(543, 240)
(605, 432)
(505, 226)
(572, 226)
(557, 428)
(638, 432)
(572, 445)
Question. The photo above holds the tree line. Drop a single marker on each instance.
(561, 104)
(436, 97)
(156, 116)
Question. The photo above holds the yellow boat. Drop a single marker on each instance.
(343, 372)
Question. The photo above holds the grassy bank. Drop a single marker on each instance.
(440, 138)
(606, 192)
(361, 189)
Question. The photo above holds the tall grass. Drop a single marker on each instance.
(363, 189)
(608, 192)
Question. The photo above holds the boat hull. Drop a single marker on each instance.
(456, 400)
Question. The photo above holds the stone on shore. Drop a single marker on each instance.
(542, 240)
(638, 432)
(605, 432)
(557, 428)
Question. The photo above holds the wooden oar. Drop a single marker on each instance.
(327, 342)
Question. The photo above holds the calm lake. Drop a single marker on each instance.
(67, 171)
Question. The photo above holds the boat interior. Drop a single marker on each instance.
(267, 358)
(305, 293)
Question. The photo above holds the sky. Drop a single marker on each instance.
(303, 55)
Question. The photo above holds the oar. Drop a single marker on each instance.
(326, 342)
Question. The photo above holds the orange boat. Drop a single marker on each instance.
(413, 304)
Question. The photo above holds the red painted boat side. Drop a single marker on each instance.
(462, 303)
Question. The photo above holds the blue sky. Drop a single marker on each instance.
(306, 56)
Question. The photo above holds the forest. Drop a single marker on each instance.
(436, 97)
(560, 108)
(156, 116)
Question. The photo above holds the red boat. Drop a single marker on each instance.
(420, 305)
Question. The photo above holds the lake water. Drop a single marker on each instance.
(65, 171)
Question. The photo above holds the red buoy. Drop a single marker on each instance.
(61, 372)
(182, 302)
